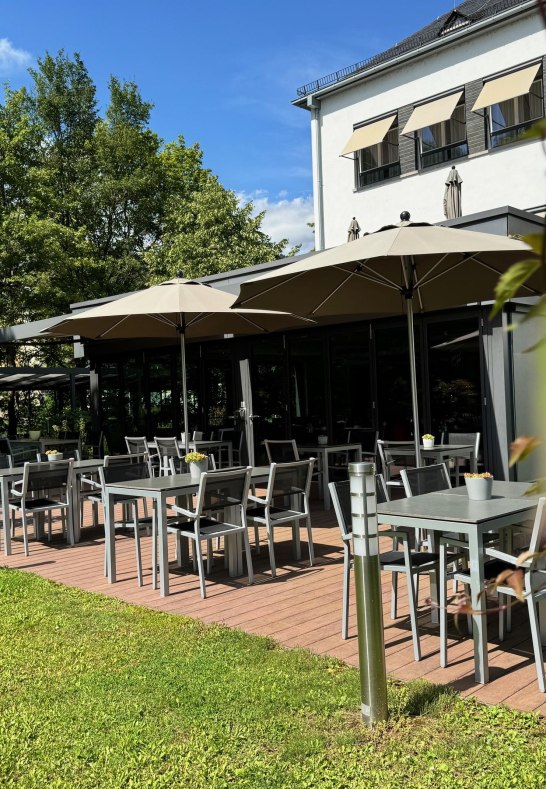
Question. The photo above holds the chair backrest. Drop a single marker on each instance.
(5, 461)
(167, 447)
(427, 479)
(43, 477)
(281, 451)
(5, 447)
(72, 435)
(465, 438)
(124, 468)
(197, 435)
(289, 479)
(136, 445)
(23, 451)
(367, 437)
(223, 489)
(381, 489)
(232, 434)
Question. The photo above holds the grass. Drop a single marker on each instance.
(98, 693)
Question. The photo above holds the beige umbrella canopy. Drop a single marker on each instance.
(387, 271)
(178, 308)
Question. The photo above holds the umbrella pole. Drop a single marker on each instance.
(413, 377)
(184, 386)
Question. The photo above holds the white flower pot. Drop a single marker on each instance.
(196, 469)
(58, 456)
(34, 435)
(428, 443)
(479, 488)
(323, 440)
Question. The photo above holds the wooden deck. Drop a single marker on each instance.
(300, 608)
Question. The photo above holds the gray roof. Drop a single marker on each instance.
(465, 16)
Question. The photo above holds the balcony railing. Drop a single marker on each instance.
(375, 176)
(442, 155)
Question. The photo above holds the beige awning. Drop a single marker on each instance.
(434, 112)
(368, 135)
(508, 87)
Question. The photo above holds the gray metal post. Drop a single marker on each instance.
(413, 376)
(369, 606)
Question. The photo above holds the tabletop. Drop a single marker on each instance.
(174, 481)
(77, 465)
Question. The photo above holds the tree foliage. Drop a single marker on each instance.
(92, 205)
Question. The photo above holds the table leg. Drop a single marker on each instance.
(163, 546)
(110, 537)
(230, 454)
(6, 516)
(479, 620)
(74, 524)
(433, 547)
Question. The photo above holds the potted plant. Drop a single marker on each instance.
(54, 454)
(34, 435)
(428, 441)
(198, 462)
(322, 439)
(479, 486)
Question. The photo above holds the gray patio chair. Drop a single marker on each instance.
(44, 487)
(171, 460)
(534, 569)
(126, 468)
(412, 563)
(220, 511)
(388, 460)
(281, 451)
(138, 445)
(286, 501)
(236, 437)
(5, 461)
(460, 464)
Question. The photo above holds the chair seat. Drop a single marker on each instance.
(38, 504)
(417, 558)
(491, 570)
(259, 511)
(208, 527)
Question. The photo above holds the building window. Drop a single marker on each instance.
(509, 119)
(378, 162)
(445, 141)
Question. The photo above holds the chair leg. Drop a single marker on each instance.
(199, 557)
(394, 595)
(502, 601)
(257, 539)
(154, 550)
(210, 557)
(412, 602)
(310, 542)
(25, 532)
(296, 540)
(537, 645)
(249, 566)
(271, 550)
(346, 590)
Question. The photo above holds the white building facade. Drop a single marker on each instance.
(461, 92)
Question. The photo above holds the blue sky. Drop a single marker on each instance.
(221, 74)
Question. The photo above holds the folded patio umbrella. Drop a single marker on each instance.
(179, 308)
(385, 272)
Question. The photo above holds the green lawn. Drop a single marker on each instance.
(97, 693)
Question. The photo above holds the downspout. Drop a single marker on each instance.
(313, 104)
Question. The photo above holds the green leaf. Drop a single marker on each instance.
(535, 241)
(511, 281)
(522, 448)
(538, 129)
(538, 310)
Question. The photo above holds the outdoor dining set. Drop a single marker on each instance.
(434, 529)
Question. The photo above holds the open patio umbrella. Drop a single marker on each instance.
(385, 272)
(179, 308)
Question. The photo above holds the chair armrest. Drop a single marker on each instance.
(257, 499)
(182, 511)
(403, 536)
(14, 488)
(505, 557)
(91, 482)
(453, 541)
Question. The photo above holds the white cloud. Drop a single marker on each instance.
(285, 217)
(12, 59)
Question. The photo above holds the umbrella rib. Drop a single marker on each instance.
(111, 328)
(499, 273)
(426, 281)
(248, 320)
(333, 292)
(273, 287)
(201, 316)
(161, 319)
(378, 278)
(427, 273)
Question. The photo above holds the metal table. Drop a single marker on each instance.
(452, 511)
(8, 475)
(439, 453)
(159, 489)
(321, 452)
(48, 443)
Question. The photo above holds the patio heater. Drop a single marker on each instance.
(369, 607)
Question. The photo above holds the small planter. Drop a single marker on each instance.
(428, 443)
(58, 456)
(198, 467)
(322, 440)
(34, 435)
(479, 488)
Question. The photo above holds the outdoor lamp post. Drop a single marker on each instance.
(369, 608)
